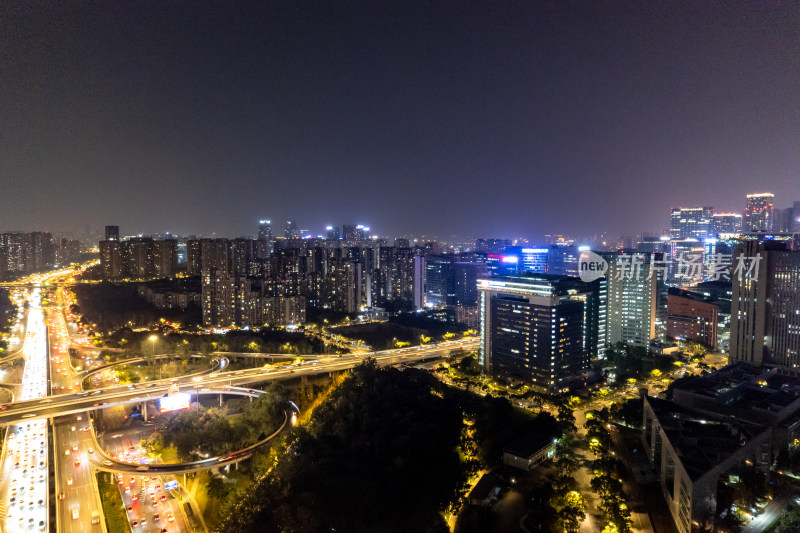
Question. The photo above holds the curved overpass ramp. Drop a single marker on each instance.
(109, 464)
(220, 363)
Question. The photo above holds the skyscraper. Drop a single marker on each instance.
(759, 212)
(765, 311)
(291, 231)
(264, 230)
(112, 233)
(533, 329)
(727, 223)
(637, 302)
(332, 233)
(691, 223)
(796, 217)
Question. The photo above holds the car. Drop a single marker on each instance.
(129, 508)
(73, 428)
(91, 450)
(156, 517)
(107, 462)
(170, 517)
(135, 523)
(77, 463)
(75, 448)
(69, 481)
(144, 521)
(163, 498)
(134, 498)
(74, 513)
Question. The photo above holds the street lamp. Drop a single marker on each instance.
(197, 380)
(153, 339)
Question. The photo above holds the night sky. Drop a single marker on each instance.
(476, 118)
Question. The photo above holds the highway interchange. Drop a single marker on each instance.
(77, 455)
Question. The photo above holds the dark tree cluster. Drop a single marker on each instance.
(114, 305)
(199, 432)
(8, 313)
(401, 328)
(381, 453)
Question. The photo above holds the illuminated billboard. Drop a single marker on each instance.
(175, 402)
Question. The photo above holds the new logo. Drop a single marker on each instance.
(591, 266)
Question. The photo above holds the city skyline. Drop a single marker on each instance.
(506, 120)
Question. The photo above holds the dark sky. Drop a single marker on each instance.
(478, 118)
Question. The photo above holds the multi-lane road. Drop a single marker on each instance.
(24, 470)
(78, 505)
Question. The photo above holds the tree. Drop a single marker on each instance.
(374, 437)
(566, 419)
(573, 513)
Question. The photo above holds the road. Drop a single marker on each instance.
(24, 492)
(80, 402)
(78, 505)
(148, 505)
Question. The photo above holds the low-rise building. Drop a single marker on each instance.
(529, 451)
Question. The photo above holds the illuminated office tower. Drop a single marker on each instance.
(691, 223)
(264, 230)
(291, 231)
(765, 308)
(332, 233)
(759, 212)
(727, 223)
(637, 302)
(534, 329)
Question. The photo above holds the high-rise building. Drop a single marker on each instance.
(563, 260)
(166, 257)
(291, 231)
(759, 212)
(349, 232)
(68, 251)
(765, 311)
(796, 217)
(221, 296)
(27, 252)
(111, 263)
(332, 233)
(637, 301)
(140, 254)
(138, 258)
(691, 223)
(112, 233)
(495, 246)
(727, 223)
(691, 316)
(264, 230)
(533, 329)
(440, 290)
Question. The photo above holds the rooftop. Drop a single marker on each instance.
(529, 444)
(701, 442)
